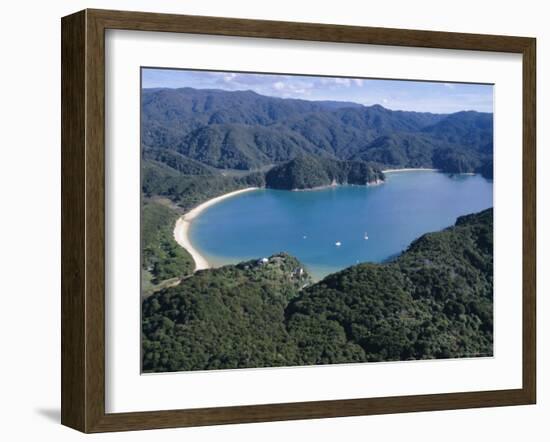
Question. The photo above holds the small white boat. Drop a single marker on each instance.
(337, 243)
(366, 236)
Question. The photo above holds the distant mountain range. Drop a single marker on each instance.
(246, 131)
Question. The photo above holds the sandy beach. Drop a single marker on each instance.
(417, 169)
(181, 229)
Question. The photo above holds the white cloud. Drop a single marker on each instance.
(443, 97)
(343, 81)
(336, 82)
(229, 77)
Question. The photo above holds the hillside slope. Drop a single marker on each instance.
(244, 130)
(434, 301)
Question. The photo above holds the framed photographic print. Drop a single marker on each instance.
(267, 221)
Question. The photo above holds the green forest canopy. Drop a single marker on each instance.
(246, 131)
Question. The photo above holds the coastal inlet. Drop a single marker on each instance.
(333, 228)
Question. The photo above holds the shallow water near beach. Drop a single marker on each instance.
(309, 224)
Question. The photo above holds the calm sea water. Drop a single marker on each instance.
(309, 224)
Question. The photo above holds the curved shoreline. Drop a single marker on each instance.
(183, 224)
(412, 169)
(377, 182)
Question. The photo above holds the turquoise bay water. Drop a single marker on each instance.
(308, 224)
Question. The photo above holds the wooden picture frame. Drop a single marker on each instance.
(83, 220)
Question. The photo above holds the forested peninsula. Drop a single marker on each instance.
(310, 172)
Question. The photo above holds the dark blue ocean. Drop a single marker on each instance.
(308, 224)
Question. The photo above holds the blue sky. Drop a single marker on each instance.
(418, 96)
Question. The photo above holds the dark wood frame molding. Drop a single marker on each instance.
(83, 216)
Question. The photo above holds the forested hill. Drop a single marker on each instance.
(434, 301)
(229, 317)
(307, 172)
(244, 130)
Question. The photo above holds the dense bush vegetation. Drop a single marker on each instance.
(229, 317)
(187, 191)
(178, 162)
(433, 301)
(162, 257)
(244, 130)
(400, 150)
(306, 172)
